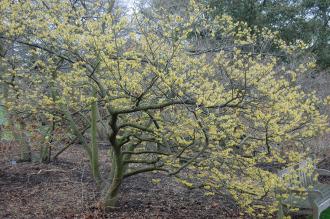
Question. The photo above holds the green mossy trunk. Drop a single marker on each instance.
(94, 147)
(110, 194)
(44, 158)
(25, 148)
(18, 133)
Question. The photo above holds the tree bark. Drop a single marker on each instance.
(110, 194)
(94, 147)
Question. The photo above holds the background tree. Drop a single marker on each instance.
(306, 20)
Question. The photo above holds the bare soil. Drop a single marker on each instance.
(65, 189)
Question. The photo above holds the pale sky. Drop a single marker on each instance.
(128, 3)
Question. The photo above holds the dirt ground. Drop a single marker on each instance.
(65, 189)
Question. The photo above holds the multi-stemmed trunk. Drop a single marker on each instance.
(110, 193)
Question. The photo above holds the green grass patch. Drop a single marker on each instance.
(325, 214)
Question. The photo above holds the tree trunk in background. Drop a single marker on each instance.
(18, 133)
(94, 147)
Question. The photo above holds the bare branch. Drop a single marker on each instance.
(149, 169)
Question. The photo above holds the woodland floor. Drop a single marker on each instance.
(65, 189)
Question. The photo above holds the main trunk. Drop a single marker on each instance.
(110, 194)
